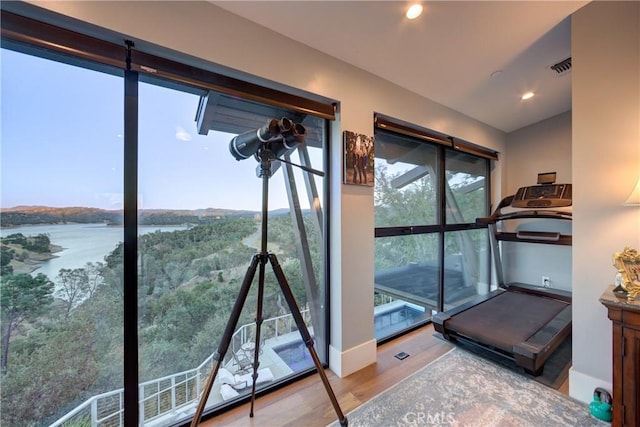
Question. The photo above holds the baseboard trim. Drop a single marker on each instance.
(581, 386)
(347, 362)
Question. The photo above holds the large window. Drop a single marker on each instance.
(62, 186)
(429, 253)
(125, 242)
(191, 277)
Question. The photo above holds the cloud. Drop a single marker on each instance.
(182, 135)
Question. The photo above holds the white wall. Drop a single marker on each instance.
(542, 147)
(606, 165)
(209, 33)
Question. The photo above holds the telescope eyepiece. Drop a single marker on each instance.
(269, 130)
(285, 125)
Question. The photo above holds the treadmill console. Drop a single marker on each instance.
(543, 196)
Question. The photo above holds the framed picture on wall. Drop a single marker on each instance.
(358, 159)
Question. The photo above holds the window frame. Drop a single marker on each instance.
(444, 144)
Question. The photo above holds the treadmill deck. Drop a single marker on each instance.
(507, 319)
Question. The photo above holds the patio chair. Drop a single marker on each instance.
(240, 381)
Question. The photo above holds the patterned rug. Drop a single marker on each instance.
(463, 389)
(556, 368)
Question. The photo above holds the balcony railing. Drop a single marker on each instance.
(168, 396)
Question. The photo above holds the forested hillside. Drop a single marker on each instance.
(34, 215)
(59, 351)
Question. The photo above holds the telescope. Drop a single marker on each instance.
(267, 143)
(278, 136)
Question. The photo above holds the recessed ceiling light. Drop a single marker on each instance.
(414, 11)
(527, 95)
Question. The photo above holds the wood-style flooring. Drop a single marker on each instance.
(305, 403)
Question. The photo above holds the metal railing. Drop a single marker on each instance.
(168, 395)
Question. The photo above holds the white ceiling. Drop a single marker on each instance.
(448, 54)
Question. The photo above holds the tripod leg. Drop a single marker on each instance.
(256, 346)
(227, 336)
(306, 336)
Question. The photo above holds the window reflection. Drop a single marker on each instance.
(406, 191)
(465, 191)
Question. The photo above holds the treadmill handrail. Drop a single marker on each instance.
(524, 215)
(498, 215)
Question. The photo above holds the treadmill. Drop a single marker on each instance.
(521, 322)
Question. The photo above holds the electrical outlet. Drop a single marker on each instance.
(546, 281)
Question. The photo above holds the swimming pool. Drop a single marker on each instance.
(295, 355)
(389, 322)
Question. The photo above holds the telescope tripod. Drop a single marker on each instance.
(258, 262)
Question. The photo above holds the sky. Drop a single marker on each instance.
(62, 145)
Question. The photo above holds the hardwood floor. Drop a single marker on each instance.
(306, 403)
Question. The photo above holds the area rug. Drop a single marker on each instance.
(463, 389)
(556, 367)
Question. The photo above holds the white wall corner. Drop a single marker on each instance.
(581, 385)
(344, 363)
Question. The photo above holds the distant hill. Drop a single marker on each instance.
(33, 215)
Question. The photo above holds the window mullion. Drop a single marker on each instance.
(130, 261)
(442, 221)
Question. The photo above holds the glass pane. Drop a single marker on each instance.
(466, 266)
(405, 191)
(466, 190)
(202, 209)
(61, 287)
(407, 278)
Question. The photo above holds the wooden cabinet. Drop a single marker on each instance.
(625, 318)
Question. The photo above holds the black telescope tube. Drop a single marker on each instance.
(247, 144)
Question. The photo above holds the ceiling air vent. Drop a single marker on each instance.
(562, 67)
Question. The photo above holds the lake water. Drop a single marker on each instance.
(81, 243)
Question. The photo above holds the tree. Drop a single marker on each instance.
(58, 370)
(6, 255)
(40, 243)
(94, 276)
(22, 297)
(74, 287)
